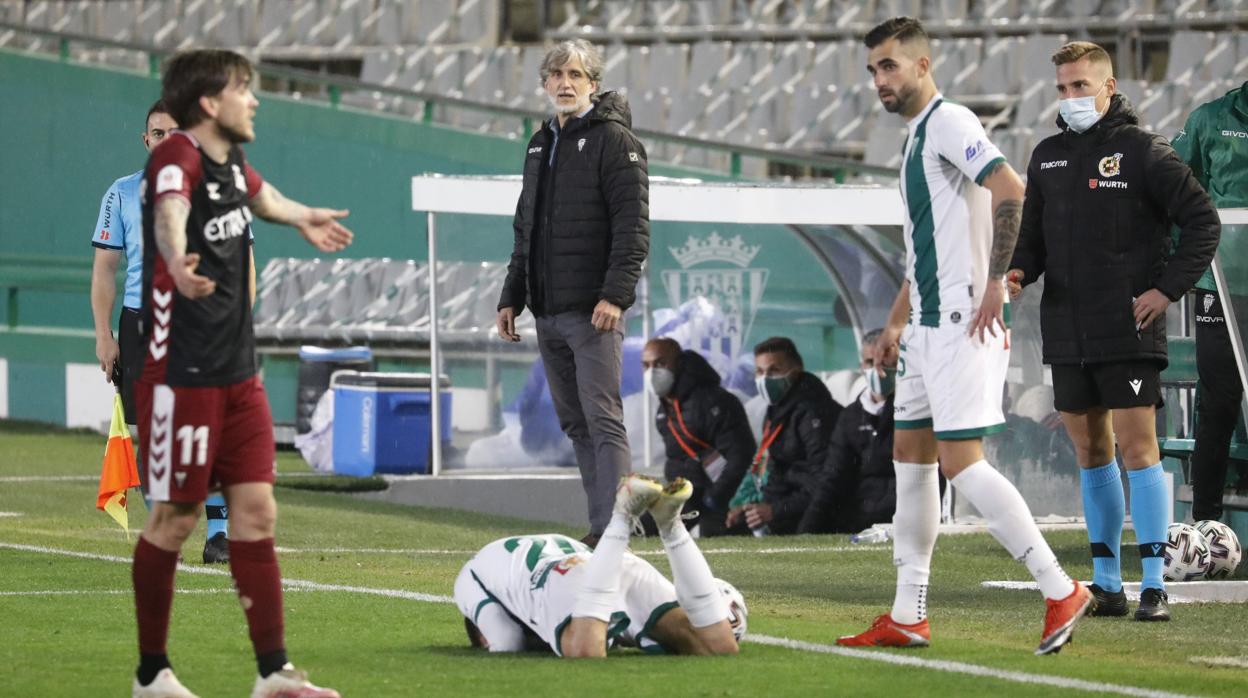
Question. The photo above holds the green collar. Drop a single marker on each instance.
(1240, 103)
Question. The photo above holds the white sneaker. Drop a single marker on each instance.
(666, 509)
(635, 494)
(289, 683)
(165, 685)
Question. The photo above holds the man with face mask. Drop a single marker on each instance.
(582, 233)
(858, 488)
(706, 435)
(1101, 198)
(799, 421)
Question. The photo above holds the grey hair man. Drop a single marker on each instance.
(582, 233)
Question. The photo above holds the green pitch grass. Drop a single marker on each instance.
(78, 638)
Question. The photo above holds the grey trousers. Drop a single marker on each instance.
(583, 369)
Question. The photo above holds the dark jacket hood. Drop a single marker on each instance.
(692, 373)
(608, 106)
(1120, 113)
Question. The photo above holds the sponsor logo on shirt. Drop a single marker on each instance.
(1111, 166)
(1235, 134)
(228, 225)
(633, 157)
(535, 149)
(1052, 163)
(974, 150)
(1106, 184)
(169, 179)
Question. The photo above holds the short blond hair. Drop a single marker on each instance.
(1076, 50)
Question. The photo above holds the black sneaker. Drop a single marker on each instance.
(1153, 605)
(1107, 603)
(217, 550)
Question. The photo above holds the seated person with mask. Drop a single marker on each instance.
(706, 436)
(858, 487)
(787, 466)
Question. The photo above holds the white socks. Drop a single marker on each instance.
(1010, 522)
(696, 589)
(599, 594)
(915, 524)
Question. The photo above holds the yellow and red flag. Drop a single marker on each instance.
(120, 472)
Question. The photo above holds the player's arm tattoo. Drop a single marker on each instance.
(1005, 223)
(271, 205)
(171, 214)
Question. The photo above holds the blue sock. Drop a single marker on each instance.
(214, 507)
(1150, 511)
(1104, 507)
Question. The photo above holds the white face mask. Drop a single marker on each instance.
(1080, 113)
(660, 380)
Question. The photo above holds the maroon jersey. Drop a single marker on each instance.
(207, 341)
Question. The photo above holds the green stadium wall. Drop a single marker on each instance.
(68, 130)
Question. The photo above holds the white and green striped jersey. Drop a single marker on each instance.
(948, 214)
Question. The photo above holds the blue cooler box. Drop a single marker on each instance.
(382, 422)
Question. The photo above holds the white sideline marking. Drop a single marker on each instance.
(641, 553)
(963, 668)
(96, 478)
(301, 584)
(1220, 591)
(1232, 662)
(10, 514)
(118, 592)
(874, 656)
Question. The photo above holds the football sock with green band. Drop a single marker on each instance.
(1104, 507)
(1150, 513)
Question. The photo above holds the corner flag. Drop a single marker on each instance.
(119, 473)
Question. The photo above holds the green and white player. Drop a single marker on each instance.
(520, 593)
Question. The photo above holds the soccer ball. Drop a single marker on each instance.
(737, 611)
(1224, 549)
(1187, 553)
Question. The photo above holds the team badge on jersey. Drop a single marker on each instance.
(1111, 166)
(169, 179)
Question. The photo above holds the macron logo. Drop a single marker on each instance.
(1052, 163)
(1135, 385)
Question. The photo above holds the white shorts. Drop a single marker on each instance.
(950, 382)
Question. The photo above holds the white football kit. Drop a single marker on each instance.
(947, 380)
(532, 581)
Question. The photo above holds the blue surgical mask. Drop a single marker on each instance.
(1080, 113)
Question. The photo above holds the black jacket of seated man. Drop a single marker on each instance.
(706, 438)
(858, 487)
(805, 417)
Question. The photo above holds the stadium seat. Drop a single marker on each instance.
(1187, 50)
(885, 141)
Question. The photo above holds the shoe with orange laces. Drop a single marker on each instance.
(1060, 619)
(886, 632)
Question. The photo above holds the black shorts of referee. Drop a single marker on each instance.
(1113, 385)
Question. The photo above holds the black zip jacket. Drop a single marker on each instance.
(858, 486)
(582, 226)
(806, 415)
(700, 417)
(1096, 223)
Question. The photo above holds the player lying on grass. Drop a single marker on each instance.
(520, 593)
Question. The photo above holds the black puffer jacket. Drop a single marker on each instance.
(1096, 223)
(806, 416)
(700, 418)
(858, 487)
(582, 227)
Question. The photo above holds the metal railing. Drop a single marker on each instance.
(811, 164)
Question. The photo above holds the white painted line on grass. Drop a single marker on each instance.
(96, 478)
(874, 656)
(192, 569)
(1231, 662)
(10, 514)
(120, 592)
(891, 657)
(1222, 591)
(642, 553)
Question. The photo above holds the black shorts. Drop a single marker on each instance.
(1116, 385)
(130, 345)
